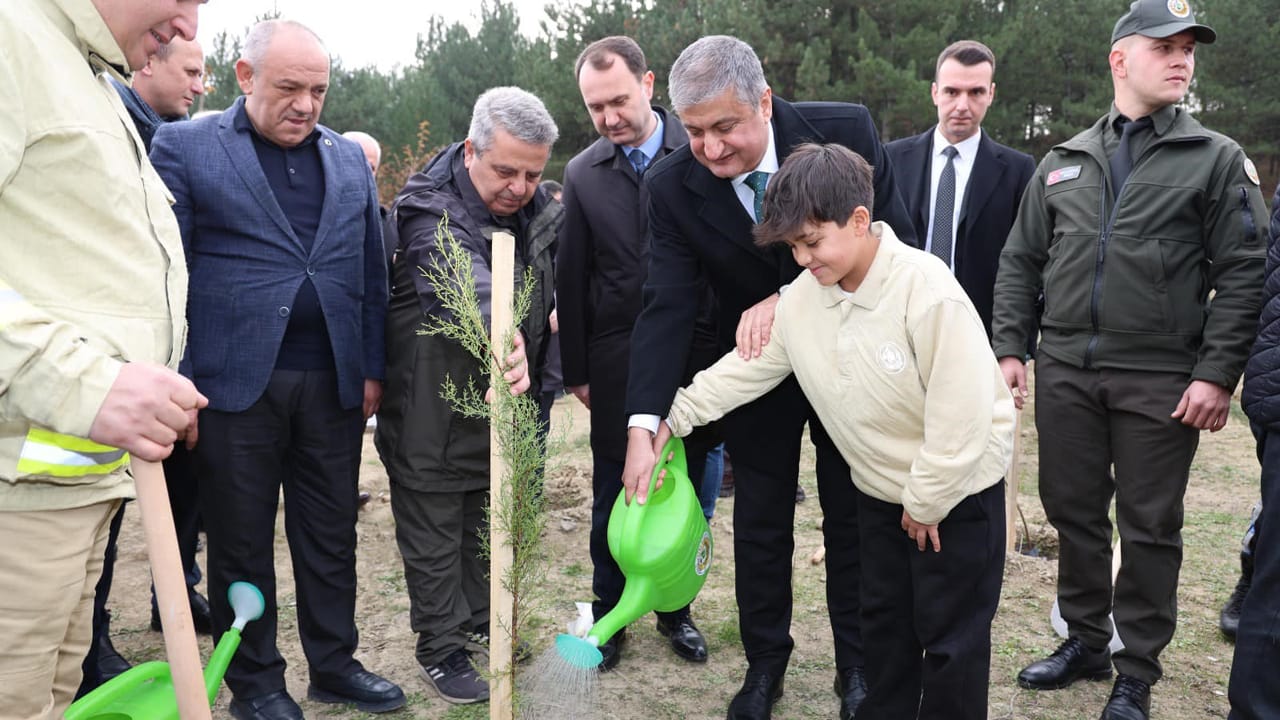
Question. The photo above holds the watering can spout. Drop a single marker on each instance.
(662, 547)
(145, 692)
(248, 604)
(637, 599)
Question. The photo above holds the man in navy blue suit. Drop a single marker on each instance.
(288, 300)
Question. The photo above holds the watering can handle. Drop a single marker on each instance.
(635, 511)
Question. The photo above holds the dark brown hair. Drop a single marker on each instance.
(601, 55)
(967, 53)
(816, 184)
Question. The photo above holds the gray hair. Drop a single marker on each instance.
(516, 111)
(260, 36)
(712, 65)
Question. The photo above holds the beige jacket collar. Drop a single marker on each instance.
(868, 293)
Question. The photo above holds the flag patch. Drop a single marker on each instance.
(1062, 175)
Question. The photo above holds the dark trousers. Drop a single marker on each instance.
(184, 502)
(764, 437)
(299, 437)
(1089, 422)
(607, 580)
(1254, 692)
(439, 535)
(926, 616)
(92, 678)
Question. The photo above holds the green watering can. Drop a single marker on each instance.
(663, 548)
(145, 692)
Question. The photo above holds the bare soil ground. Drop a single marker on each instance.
(652, 683)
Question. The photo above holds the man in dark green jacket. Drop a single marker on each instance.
(437, 459)
(1128, 229)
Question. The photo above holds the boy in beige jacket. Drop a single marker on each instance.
(894, 358)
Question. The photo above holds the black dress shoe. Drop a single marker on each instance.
(1130, 700)
(1072, 661)
(686, 639)
(110, 664)
(363, 689)
(201, 614)
(851, 688)
(611, 650)
(760, 690)
(272, 706)
(1229, 620)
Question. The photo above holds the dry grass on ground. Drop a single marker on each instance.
(652, 683)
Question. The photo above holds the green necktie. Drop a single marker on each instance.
(757, 181)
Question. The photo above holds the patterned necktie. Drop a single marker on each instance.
(638, 160)
(1122, 158)
(944, 208)
(758, 181)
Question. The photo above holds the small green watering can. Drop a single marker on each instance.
(145, 692)
(664, 549)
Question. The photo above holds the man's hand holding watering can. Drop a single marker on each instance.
(643, 448)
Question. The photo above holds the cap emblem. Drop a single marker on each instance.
(1179, 8)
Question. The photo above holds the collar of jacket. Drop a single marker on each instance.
(604, 150)
(136, 106)
(1182, 127)
(80, 21)
(448, 168)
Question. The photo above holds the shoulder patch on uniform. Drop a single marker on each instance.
(1062, 175)
(1251, 171)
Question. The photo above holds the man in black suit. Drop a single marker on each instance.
(704, 201)
(954, 165)
(601, 266)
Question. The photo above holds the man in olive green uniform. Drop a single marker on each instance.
(1128, 228)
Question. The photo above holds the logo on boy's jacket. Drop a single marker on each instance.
(892, 359)
(1062, 175)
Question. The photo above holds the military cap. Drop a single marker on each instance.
(1160, 19)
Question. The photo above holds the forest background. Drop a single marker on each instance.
(1051, 77)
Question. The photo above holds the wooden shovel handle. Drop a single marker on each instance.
(171, 591)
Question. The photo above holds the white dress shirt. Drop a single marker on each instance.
(768, 164)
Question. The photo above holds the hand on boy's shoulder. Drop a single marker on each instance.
(756, 326)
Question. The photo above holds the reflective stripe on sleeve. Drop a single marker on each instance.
(56, 455)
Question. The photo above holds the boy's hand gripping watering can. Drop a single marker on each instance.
(145, 692)
(663, 548)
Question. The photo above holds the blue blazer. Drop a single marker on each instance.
(246, 264)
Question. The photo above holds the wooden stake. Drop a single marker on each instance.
(501, 602)
(171, 591)
(1011, 488)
